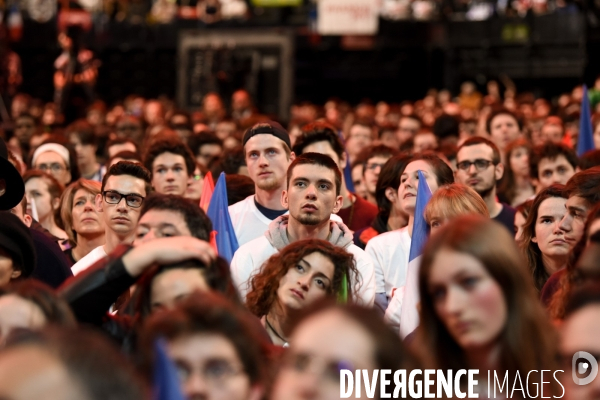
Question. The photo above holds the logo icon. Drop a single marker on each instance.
(590, 365)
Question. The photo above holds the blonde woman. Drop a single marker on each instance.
(83, 225)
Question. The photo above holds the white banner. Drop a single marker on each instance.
(348, 17)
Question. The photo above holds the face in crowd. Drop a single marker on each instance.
(121, 203)
(476, 168)
(170, 174)
(267, 161)
(311, 195)
(52, 163)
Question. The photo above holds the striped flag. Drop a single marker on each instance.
(409, 315)
(218, 212)
(585, 142)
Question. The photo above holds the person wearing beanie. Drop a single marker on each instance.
(53, 158)
(17, 253)
(268, 154)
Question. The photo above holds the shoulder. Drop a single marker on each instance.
(242, 205)
(388, 238)
(88, 260)
(254, 249)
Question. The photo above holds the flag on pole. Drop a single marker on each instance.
(218, 212)
(409, 316)
(585, 142)
(166, 381)
(348, 175)
(208, 187)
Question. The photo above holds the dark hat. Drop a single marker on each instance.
(15, 188)
(270, 128)
(15, 239)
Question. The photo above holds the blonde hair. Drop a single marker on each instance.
(455, 199)
(66, 204)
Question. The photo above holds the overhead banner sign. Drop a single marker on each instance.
(347, 17)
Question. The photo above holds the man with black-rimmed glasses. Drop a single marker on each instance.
(124, 188)
(479, 167)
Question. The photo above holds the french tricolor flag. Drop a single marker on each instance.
(409, 315)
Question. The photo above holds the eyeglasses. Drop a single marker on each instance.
(54, 167)
(215, 371)
(480, 164)
(113, 197)
(373, 166)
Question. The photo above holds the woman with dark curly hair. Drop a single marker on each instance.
(297, 276)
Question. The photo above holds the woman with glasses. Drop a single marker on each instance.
(43, 193)
(83, 224)
(545, 244)
(329, 338)
(389, 251)
(297, 276)
(216, 348)
(478, 309)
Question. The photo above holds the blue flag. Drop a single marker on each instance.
(348, 175)
(420, 228)
(166, 381)
(218, 212)
(586, 133)
(409, 315)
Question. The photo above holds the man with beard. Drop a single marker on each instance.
(312, 195)
(478, 166)
(268, 154)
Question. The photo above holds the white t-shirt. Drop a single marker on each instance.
(248, 222)
(389, 252)
(250, 257)
(90, 259)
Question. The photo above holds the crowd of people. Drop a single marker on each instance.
(448, 233)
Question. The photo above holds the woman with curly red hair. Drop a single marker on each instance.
(297, 276)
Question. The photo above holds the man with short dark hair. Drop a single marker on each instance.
(503, 126)
(552, 163)
(268, 154)
(478, 166)
(320, 137)
(124, 188)
(408, 126)
(167, 215)
(360, 136)
(118, 145)
(375, 158)
(81, 135)
(553, 130)
(312, 194)
(207, 148)
(171, 163)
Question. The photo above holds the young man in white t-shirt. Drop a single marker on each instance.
(124, 188)
(268, 154)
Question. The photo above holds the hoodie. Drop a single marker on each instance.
(340, 235)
